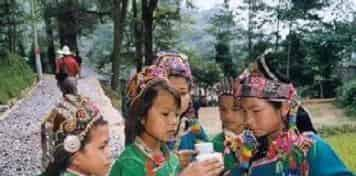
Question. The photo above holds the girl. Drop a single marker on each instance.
(263, 67)
(152, 122)
(179, 75)
(75, 139)
(232, 119)
(270, 112)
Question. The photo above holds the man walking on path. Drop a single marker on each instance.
(67, 71)
(67, 63)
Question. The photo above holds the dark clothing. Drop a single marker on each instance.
(78, 59)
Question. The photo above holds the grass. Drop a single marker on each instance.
(337, 130)
(15, 75)
(345, 145)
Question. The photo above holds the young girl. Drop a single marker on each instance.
(270, 112)
(232, 119)
(152, 123)
(179, 74)
(263, 67)
(75, 139)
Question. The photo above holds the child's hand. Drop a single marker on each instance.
(185, 157)
(211, 167)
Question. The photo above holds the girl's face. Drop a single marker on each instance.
(261, 117)
(95, 158)
(182, 86)
(162, 118)
(231, 115)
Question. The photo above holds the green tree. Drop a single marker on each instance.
(223, 30)
(11, 17)
(119, 15)
(206, 72)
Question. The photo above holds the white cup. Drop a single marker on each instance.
(204, 148)
(215, 155)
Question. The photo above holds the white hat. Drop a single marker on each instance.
(66, 50)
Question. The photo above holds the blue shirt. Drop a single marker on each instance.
(190, 136)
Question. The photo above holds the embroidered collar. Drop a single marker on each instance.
(290, 151)
(155, 162)
(243, 145)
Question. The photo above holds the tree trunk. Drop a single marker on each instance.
(148, 7)
(13, 27)
(321, 89)
(289, 52)
(68, 27)
(10, 10)
(278, 20)
(137, 25)
(67, 36)
(119, 15)
(50, 41)
(249, 32)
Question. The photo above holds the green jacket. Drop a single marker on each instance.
(132, 162)
(230, 160)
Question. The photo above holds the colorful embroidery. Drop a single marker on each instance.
(243, 145)
(290, 149)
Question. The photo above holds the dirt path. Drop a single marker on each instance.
(20, 151)
(327, 114)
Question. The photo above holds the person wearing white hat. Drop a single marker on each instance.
(66, 51)
(66, 68)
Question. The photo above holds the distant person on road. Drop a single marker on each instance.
(67, 71)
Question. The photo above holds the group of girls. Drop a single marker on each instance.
(266, 130)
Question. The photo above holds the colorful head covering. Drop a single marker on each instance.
(174, 63)
(256, 68)
(142, 79)
(225, 87)
(177, 64)
(260, 87)
(67, 125)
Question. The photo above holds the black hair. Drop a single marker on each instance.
(303, 121)
(190, 83)
(142, 104)
(190, 112)
(62, 158)
(268, 61)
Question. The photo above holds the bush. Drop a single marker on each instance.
(15, 76)
(347, 97)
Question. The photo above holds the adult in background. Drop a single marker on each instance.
(67, 71)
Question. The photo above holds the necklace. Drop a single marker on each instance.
(155, 161)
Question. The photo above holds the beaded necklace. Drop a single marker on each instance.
(155, 161)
